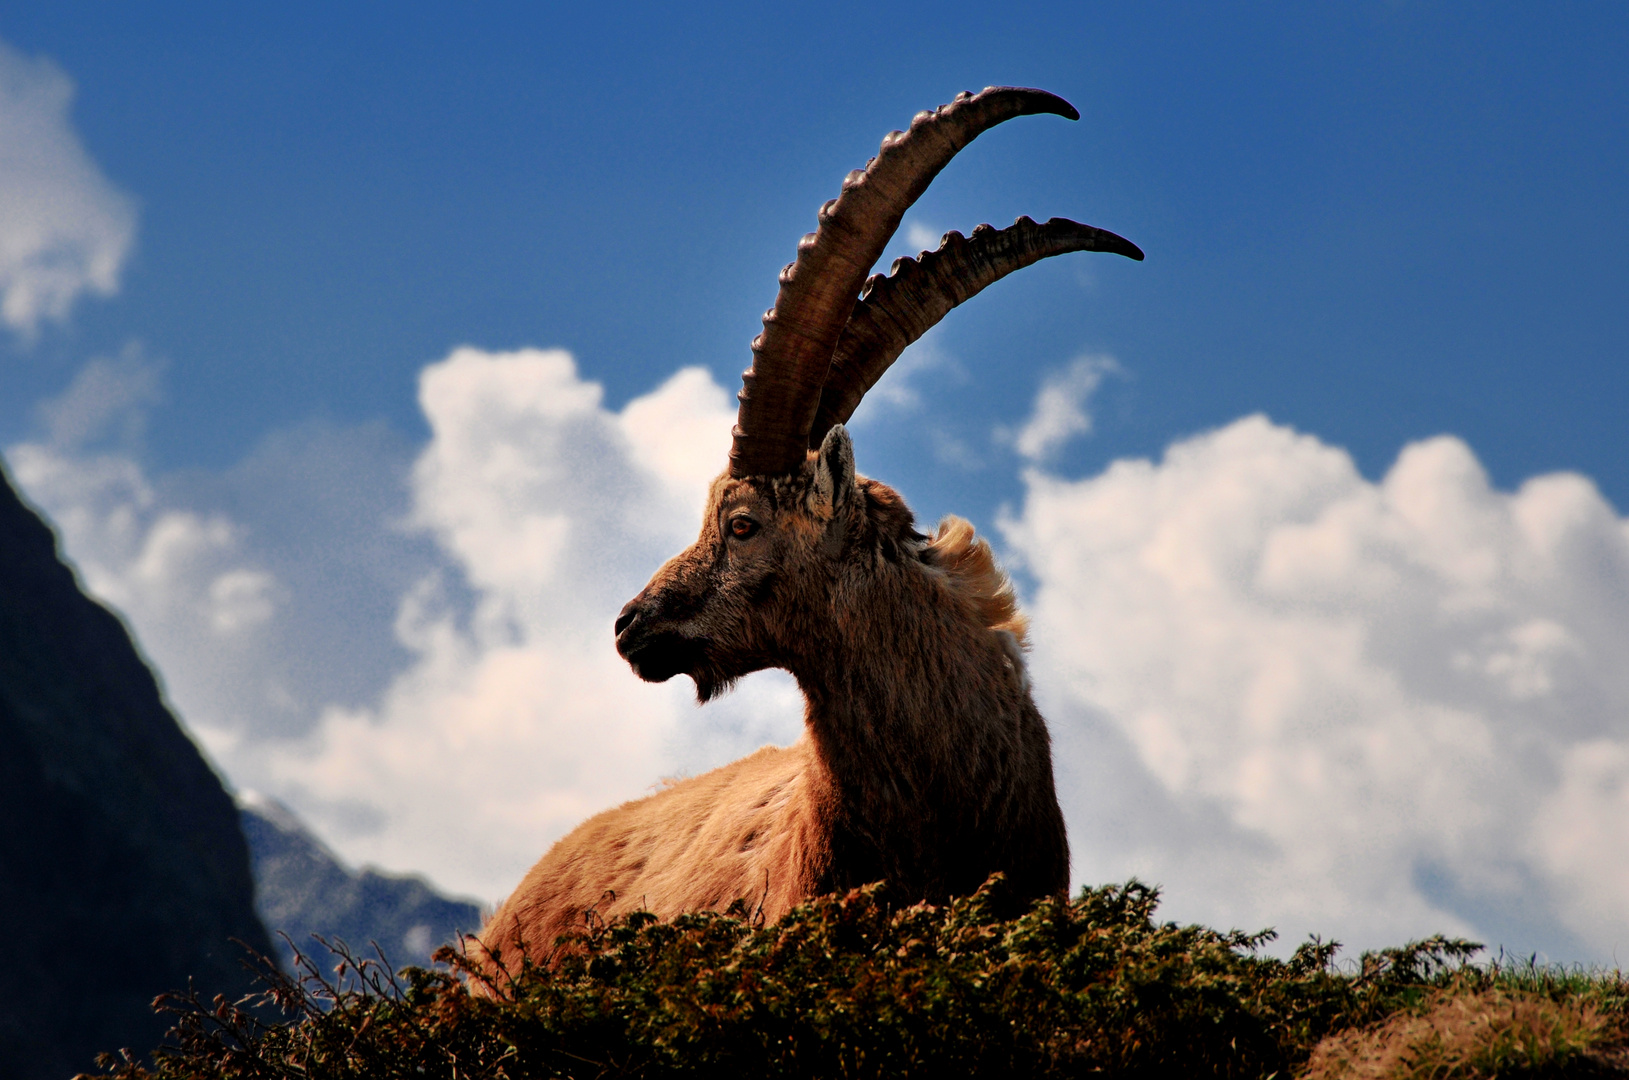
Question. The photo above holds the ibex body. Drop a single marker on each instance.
(925, 763)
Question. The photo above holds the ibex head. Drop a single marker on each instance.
(789, 523)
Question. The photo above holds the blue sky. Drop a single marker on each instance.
(1374, 223)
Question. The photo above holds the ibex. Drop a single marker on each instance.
(925, 764)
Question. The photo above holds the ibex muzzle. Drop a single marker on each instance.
(651, 639)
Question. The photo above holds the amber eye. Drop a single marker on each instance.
(742, 527)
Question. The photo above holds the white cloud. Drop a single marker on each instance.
(108, 398)
(173, 570)
(517, 722)
(948, 449)
(417, 655)
(64, 229)
(244, 586)
(921, 236)
(1372, 710)
(1293, 696)
(1061, 408)
(898, 391)
(1580, 836)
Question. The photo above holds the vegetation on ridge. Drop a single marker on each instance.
(845, 986)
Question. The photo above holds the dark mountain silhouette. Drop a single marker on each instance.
(302, 888)
(123, 870)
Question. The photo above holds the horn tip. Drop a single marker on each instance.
(1116, 244)
(1038, 100)
(1097, 239)
(1119, 245)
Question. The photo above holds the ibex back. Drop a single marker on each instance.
(924, 764)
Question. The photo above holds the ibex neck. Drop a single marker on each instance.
(937, 768)
(921, 717)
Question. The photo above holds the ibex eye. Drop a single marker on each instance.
(742, 527)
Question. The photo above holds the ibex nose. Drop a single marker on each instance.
(630, 612)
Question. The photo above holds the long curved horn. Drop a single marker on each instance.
(896, 310)
(791, 358)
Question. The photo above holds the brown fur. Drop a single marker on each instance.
(925, 763)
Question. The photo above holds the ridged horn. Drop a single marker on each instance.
(791, 358)
(895, 310)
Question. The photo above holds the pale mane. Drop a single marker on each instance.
(971, 570)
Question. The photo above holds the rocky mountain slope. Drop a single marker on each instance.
(123, 870)
(302, 888)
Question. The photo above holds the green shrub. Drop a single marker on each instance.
(842, 987)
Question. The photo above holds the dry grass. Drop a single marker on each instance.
(1464, 1033)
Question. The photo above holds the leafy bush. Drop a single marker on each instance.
(847, 987)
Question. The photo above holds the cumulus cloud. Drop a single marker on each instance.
(261, 592)
(415, 650)
(1293, 696)
(516, 718)
(1061, 411)
(106, 402)
(64, 229)
(899, 390)
(1372, 710)
(167, 567)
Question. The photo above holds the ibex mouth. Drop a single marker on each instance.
(660, 658)
(657, 657)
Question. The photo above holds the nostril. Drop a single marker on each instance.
(629, 613)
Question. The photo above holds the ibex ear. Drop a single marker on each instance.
(834, 468)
